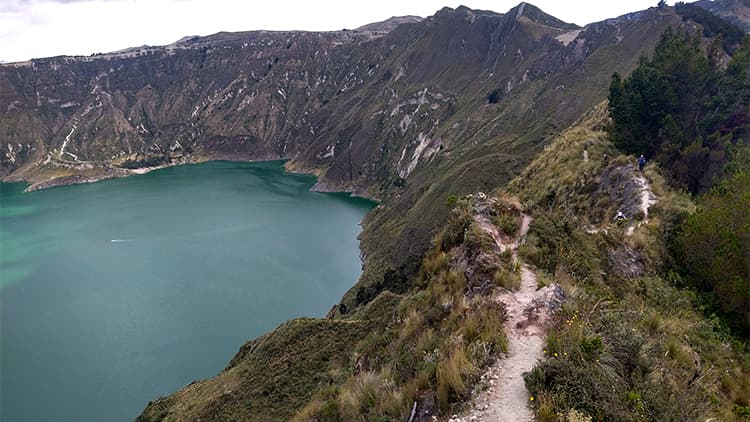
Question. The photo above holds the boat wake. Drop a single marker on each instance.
(207, 233)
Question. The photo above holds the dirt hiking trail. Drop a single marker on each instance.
(647, 199)
(501, 394)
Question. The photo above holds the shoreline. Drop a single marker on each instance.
(233, 175)
(111, 172)
(78, 179)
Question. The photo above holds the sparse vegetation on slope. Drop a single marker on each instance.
(629, 345)
(442, 335)
(271, 376)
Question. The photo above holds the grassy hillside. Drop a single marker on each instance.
(270, 376)
(426, 296)
(629, 344)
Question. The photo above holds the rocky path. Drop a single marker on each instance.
(639, 197)
(502, 395)
(647, 196)
(647, 199)
(503, 245)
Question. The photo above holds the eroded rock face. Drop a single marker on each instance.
(363, 108)
(626, 262)
(536, 316)
(624, 188)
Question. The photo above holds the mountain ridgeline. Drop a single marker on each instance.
(401, 116)
(416, 113)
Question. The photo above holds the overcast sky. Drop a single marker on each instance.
(43, 28)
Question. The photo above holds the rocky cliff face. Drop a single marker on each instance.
(363, 108)
(243, 95)
(410, 114)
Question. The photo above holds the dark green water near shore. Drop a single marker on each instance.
(117, 292)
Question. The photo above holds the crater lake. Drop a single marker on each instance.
(117, 292)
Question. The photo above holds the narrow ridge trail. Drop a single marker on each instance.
(640, 201)
(647, 199)
(502, 395)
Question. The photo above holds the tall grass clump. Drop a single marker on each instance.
(452, 374)
(509, 280)
(435, 343)
(507, 223)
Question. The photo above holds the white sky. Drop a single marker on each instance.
(43, 28)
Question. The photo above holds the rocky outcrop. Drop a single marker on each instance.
(624, 188)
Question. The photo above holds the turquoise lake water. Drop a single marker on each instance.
(117, 292)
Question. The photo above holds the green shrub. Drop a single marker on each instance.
(477, 240)
(742, 411)
(506, 279)
(591, 347)
(507, 223)
(455, 229)
(712, 248)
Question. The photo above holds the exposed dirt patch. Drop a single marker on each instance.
(630, 192)
(646, 199)
(626, 262)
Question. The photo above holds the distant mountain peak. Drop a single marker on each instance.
(537, 15)
(389, 24)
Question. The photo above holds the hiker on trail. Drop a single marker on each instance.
(641, 163)
(620, 216)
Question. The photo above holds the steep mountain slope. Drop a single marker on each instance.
(615, 319)
(456, 103)
(736, 12)
(403, 117)
(436, 134)
(624, 324)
